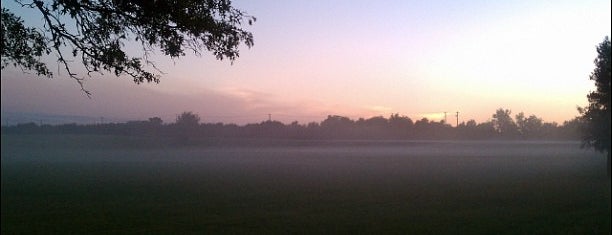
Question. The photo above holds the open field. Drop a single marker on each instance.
(105, 185)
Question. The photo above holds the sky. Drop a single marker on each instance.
(356, 59)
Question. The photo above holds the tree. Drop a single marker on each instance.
(528, 127)
(335, 122)
(156, 121)
(95, 33)
(188, 119)
(186, 127)
(400, 125)
(504, 124)
(596, 116)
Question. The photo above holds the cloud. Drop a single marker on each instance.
(378, 109)
(435, 116)
(250, 100)
(120, 99)
(286, 109)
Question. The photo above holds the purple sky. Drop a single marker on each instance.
(358, 59)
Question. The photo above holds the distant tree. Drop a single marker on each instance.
(471, 123)
(596, 116)
(421, 124)
(486, 130)
(529, 127)
(550, 129)
(270, 128)
(397, 121)
(188, 119)
(421, 127)
(376, 122)
(154, 126)
(521, 122)
(571, 129)
(504, 124)
(439, 130)
(400, 125)
(313, 125)
(374, 127)
(336, 122)
(337, 126)
(186, 127)
(155, 121)
(95, 33)
(467, 129)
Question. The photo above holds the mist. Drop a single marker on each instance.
(265, 186)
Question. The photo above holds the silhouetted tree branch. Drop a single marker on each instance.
(96, 32)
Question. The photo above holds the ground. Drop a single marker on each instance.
(103, 184)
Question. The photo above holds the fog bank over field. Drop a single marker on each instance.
(428, 157)
(100, 184)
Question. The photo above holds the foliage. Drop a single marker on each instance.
(596, 116)
(188, 128)
(530, 126)
(96, 33)
(188, 119)
(21, 46)
(503, 123)
(156, 121)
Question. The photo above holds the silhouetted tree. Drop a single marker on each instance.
(154, 126)
(467, 130)
(550, 129)
(400, 125)
(377, 122)
(374, 127)
(337, 126)
(471, 123)
(596, 116)
(188, 119)
(486, 130)
(529, 127)
(156, 121)
(186, 126)
(504, 124)
(421, 128)
(96, 33)
(571, 129)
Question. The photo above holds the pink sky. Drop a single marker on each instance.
(359, 59)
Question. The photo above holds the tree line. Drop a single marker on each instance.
(187, 126)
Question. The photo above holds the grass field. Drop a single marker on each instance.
(72, 184)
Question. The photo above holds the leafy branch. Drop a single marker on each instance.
(101, 29)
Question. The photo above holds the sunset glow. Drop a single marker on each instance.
(358, 59)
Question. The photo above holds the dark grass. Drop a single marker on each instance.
(117, 185)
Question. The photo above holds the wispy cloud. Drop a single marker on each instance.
(378, 109)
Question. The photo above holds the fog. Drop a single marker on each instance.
(346, 159)
(88, 184)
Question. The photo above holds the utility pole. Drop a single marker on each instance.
(457, 115)
(444, 117)
(269, 117)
